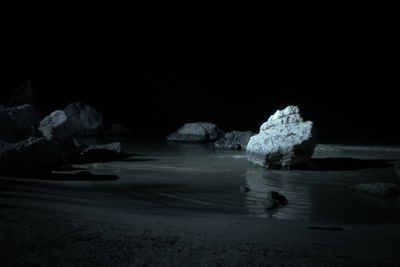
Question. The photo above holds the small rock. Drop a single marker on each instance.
(244, 188)
(274, 200)
(197, 132)
(382, 189)
(95, 153)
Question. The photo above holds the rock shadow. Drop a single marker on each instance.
(346, 164)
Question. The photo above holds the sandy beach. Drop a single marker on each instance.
(174, 205)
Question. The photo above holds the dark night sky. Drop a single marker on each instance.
(154, 69)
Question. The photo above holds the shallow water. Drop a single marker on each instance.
(196, 177)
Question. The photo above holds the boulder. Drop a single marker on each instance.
(274, 200)
(17, 123)
(235, 140)
(31, 154)
(284, 141)
(56, 126)
(382, 189)
(117, 129)
(197, 132)
(93, 153)
(84, 118)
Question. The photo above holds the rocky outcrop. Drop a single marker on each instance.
(235, 140)
(17, 123)
(31, 154)
(284, 141)
(382, 189)
(197, 132)
(84, 118)
(274, 200)
(56, 126)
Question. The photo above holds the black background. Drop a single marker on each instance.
(152, 69)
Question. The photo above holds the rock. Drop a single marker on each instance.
(21, 95)
(235, 140)
(244, 188)
(382, 189)
(17, 123)
(197, 132)
(71, 151)
(274, 200)
(84, 118)
(397, 168)
(95, 153)
(31, 154)
(56, 126)
(284, 141)
(117, 129)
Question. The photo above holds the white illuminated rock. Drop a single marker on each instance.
(285, 140)
(197, 132)
(56, 126)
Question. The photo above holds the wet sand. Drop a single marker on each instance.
(171, 205)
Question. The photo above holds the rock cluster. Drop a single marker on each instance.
(284, 141)
(197, 132)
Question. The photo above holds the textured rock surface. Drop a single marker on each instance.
(235, 140)
(285, 140)
(197, 132)
(84, 118)
(274, 200)
(102, 152)
(383, 189)
(17, 123)
(33, 153)
(56, 126)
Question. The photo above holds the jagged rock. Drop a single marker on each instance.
(102, 152)
(17, 123)
(84, 118)
(31, 154)
(285, 140)
(117, 129)
(197, 132)
(56, 126)
(274, 200)
(383, 189)
(397, 168)
(235, 140)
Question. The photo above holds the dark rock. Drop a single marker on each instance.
(23, 94)
(285, 140)
(197, 132)
(17, 123)
(117, 129)
(235, 140)
(274, 200)
(84, 118)
(56, 126)
(103, 152)
(31, 154)
(382, 189)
